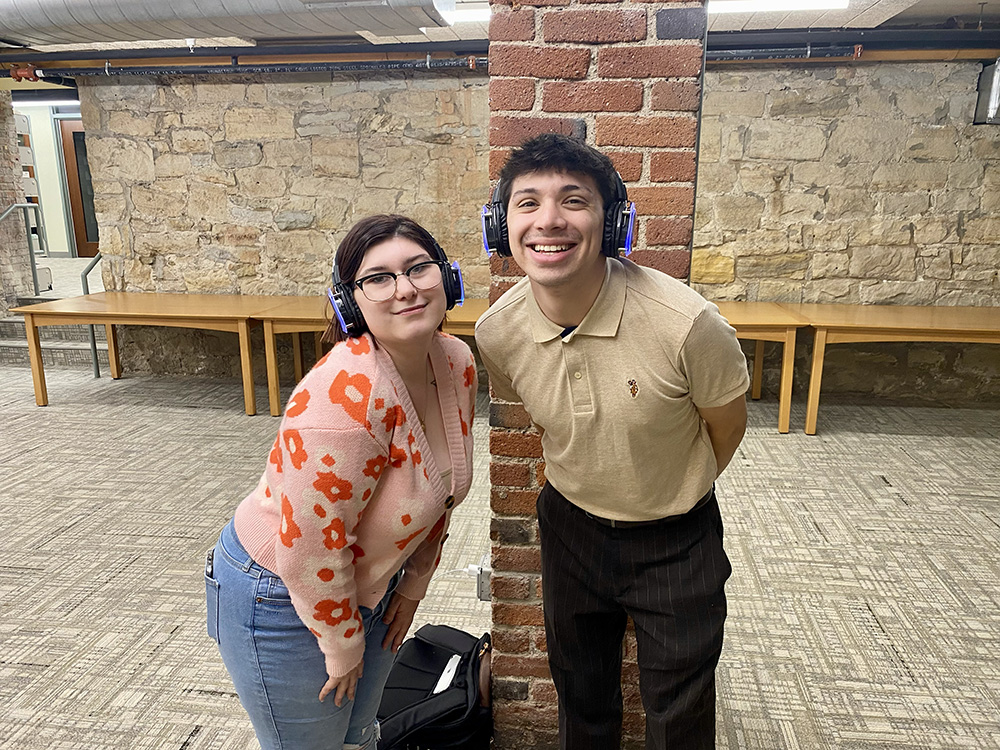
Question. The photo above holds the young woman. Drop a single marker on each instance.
(313, 584)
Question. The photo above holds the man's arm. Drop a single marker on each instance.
(726, 426)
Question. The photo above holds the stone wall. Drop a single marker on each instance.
(15, 265)
(228, 185)
(865, 183)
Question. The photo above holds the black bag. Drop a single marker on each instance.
(437, 695)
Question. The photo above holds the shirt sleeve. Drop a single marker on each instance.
(325, 478)
(501, 383)
(713, 361)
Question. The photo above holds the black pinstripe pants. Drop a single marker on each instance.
(670, 578)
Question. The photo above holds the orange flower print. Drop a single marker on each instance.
(401, 543)
(333, 487)
(358, 552)
(289, 530)
(275, 457)
(325, 575)
(294, 445)
(397, 456)
(297, 404)
(465, 427)
(336, 534)
(358, 346)
(374, 467)
(470, 373)
(352, 393)
(394, 416)
(333, 613)
(351, 631)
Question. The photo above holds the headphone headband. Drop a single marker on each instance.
(617, 237)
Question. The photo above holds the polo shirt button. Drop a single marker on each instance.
(577, 375)
(450, 502)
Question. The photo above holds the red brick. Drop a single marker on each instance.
(521, 666)
(498, 157)
(678, 96)
(512, 587)
(538, 589)
(512, 94)
(513, 131)
(513, 416)
(517, 614)
(628, 164)
(511, 641)
(663, 201)
(591, 96)
(537, 3)
(519, 444)
(676, 263)
(508, 530)
(540, 642)
(669, 231)
(673, 166)
(513, 502)
(594, 26)
(541, 61)
(514, 26)
(658, 61)
(517, 559)
(634, 721)
(584, 2)
(661, 132)
(510, 475)
(497, 288)
(501, 265)
(543, 692)
(540, 473)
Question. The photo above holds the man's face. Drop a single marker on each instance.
(555, 222)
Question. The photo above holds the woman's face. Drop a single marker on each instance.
(409, 313)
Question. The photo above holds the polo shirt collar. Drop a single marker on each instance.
(602, 319)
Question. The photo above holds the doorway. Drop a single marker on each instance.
(79, 187)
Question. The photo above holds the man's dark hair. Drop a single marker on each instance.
(553, 152)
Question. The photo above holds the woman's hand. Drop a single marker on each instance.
(399, 617)
(343, 685)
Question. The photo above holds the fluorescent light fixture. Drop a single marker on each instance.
(466, 16)
(47, 103)
(763, 6)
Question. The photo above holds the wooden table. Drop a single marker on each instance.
(213, 312)
(767, 321)
(841, 324)
(296, 315)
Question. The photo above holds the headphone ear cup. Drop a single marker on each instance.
(454, 287)
(495, 235)
(352, 321)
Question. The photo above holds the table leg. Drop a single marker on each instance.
(35, 355)
(273, 381)
(758, 369)
(114, 360)
(815, 377)
(297, 355)
(785, 393)
(318, 345)
(246, 365)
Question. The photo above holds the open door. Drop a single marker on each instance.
(81, 191)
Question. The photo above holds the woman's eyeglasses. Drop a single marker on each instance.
(379, 287)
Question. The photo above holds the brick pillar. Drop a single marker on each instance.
(15, 268)
(627, 77)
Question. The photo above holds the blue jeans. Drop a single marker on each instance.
(276, 663)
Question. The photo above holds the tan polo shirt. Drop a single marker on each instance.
(617, 397)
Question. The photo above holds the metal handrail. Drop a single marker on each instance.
(42, 243)
(86, 290)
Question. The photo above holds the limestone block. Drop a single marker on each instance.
(953, 201)
(132, 123)
(296, 153)
(151, 244)
(261, 182)
(208, 201)
(915, 104)
(155, 202)
(783, 141)
(336, 157)
(761, 242)
(825, 174)
(990, 203)
(236, 235)
(208, 119)
(798, 207)
(171, 165)
(987, 147)
(111, 242)
(777, 290)
(110, 209)
(739, 103)
(190, 141)
(120, 158)
(829, 265)
(209, 278)
(738, 211)
(884, 262)
(934, 263)
(787, 266)
(827, 291)
(299, 93)
(905, 205)
(336, 123)
(934, 231)
(932, 144)
(825, 236)
(881, 231)
(715, 177)
(403, 161)
(967, 175)
(867, 139)
(849, 203)
(214, 91)
(710, 145)
(249, 216)
(812, 102)
(761, 178)
(910, 176)
(139, 94)
(982, 256)
(257, 124)
(738, 291)
(711, 268)
(897, 292)
(984, 230)
(113, 187)
(299, 246)
(376, 201)
(293, 220)
(237, 155)
(966, 298)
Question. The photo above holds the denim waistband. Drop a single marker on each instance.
(229, 544)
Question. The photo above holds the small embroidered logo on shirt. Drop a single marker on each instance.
(633, 388)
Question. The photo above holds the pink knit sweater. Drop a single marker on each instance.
(351, 492)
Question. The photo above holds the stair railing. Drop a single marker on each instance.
(42, 244)
(86, 290)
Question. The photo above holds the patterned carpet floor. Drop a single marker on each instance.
(864, 605)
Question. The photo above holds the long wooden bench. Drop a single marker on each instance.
(213, 312)
(297, 315)
(842, 324)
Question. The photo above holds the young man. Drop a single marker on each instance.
(637, 384)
